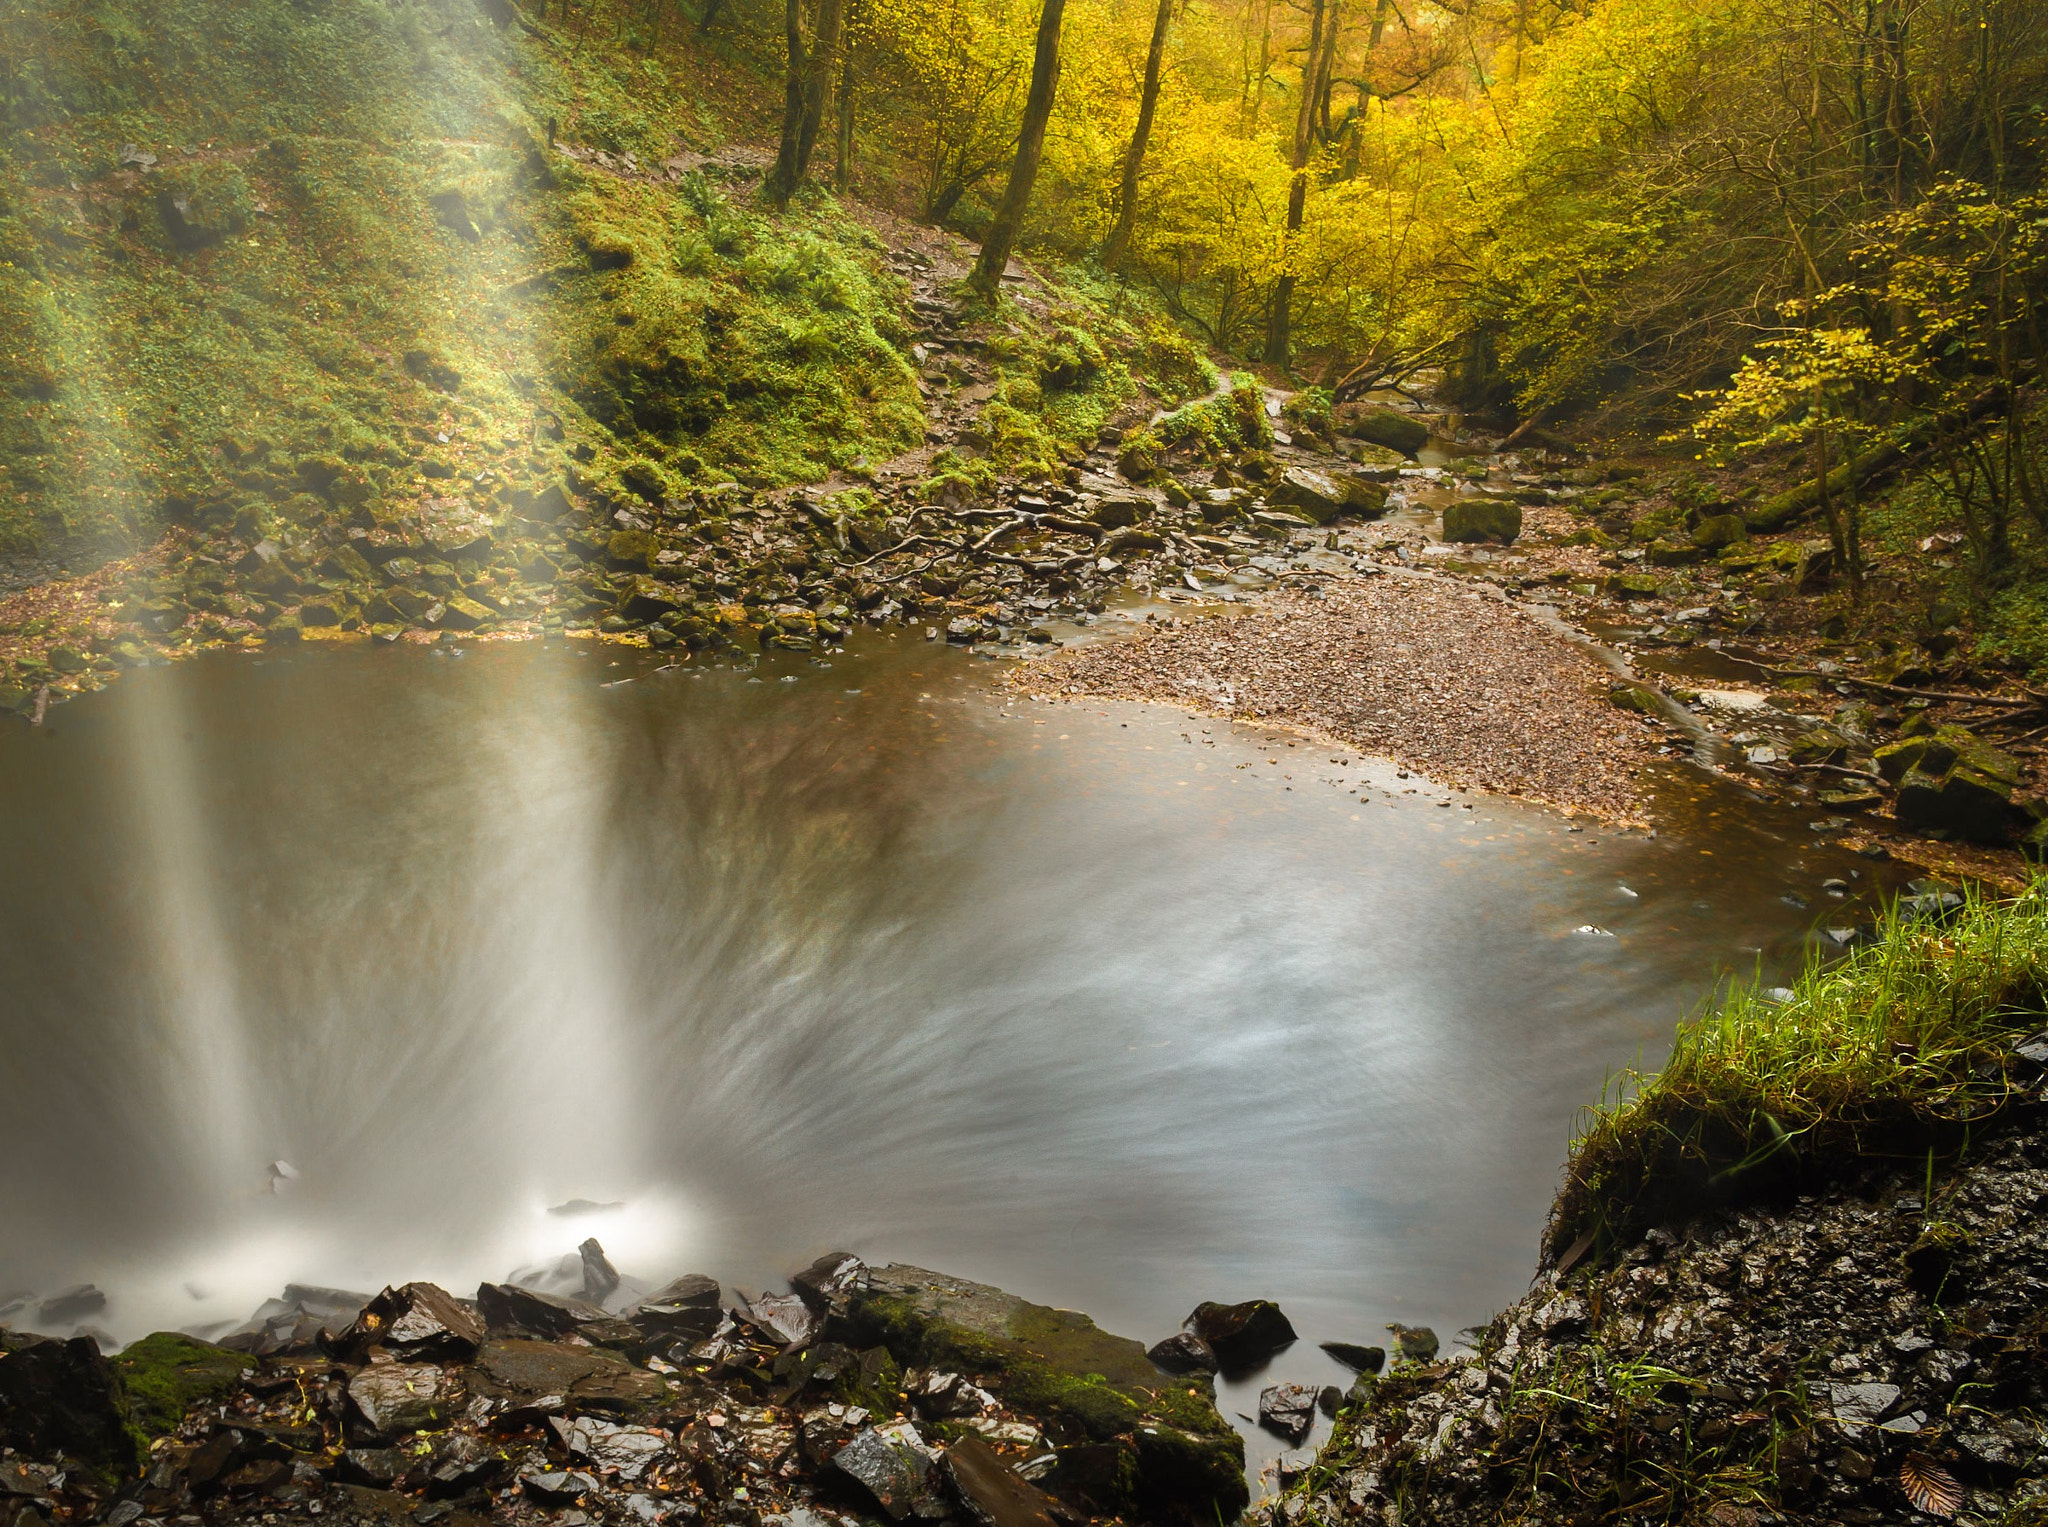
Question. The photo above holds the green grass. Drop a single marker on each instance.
(1902, 1047)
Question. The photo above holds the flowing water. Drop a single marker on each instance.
(1115, 1007)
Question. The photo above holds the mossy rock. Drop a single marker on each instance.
(1061, 1368)
(1482, 519)
(165, 1375)
(1396, 431)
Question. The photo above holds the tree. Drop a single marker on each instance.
(1315, 68)
(807, 84)
(1134, 158)
(1002, 229)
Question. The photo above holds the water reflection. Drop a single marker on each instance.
(1112, 1006)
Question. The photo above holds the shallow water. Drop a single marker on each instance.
(1115, 1007)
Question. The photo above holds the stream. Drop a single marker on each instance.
(354, 966)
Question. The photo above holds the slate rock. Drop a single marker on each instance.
(1414, 1344)
(1387, 427)
(63, 1397)
(600, 1278)
(1184, 1352)
(686, 1309)
(507, 1307)
(991, 1492)
(1358, 1359)
(1310, 493)
(388, 1400)
(557, 1487)
(1482, 519)
(891, 1470)
(832, 1282)
(1288, 1409)
(525, 1373)
(628, 1450)
(373, 1466)
(461, 1463)
(1861, 1404)
(420, 1322)
(1241, 1335)
(787, 1318)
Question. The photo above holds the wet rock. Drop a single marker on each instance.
(1716, 531)
(788, 1318)
(1076, 1381)
(1385, 427)
(557, 1487)
(686, 1309)
(600, 1278)
(628, 1451)
(1120, 511)
(831, 1283)
(507, 1307)
(1413, 1344)
(1358, 1359)
(1314, 495)
(373, 1466)
(1288, 1409)
(71, 1306)
(1953, 781)
(1241, 1335)
(1184, 1352)
(1363, 496)
(388, 1400)
(420, 1322)
(1482, 519)
(1639, 698)
(64, 1398)
(892, 1468)
(993, 1493)
(525, 1373)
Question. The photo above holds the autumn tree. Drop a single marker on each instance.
(1134, 157)
(1002, 229)
(811, 62)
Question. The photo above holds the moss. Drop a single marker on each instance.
(165, 1375)
(1901, 1048)
(1061, 1367)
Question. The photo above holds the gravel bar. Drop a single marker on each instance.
(1458, 685)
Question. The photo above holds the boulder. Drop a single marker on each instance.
(628, 1451)
(1413, 1344)
(1639, 698)
(64, 1398)
(460, 613)
(600, 1278)
(787, 1318)
(1184, 1352)
(1482, 519)
(685, 1309)
(526, 1373)
(388, 1400)
(507, 1307)
(891, 1467)
(1358, 1359)
(164, 1375)
(1715, 532)
(1137, 1447)
(420, 1322)
(1288, 1409)
(991, 1492)
(1384, 426)
(1241, 1335)
(1313, 494)
(1120, 511)
(1363, 496)
(1952, 781)
(830, 1283)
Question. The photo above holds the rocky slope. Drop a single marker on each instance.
(888, 1395)
(1872, 1351)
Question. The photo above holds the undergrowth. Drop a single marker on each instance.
(1904, 1045)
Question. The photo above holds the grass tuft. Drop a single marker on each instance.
(1902, 1047)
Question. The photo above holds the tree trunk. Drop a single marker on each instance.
(824, 61)
(1134, 159)
(1279, 320)
(1002, 229)
(783, 178)
(842, 168)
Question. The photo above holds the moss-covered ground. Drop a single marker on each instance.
(441, 275)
